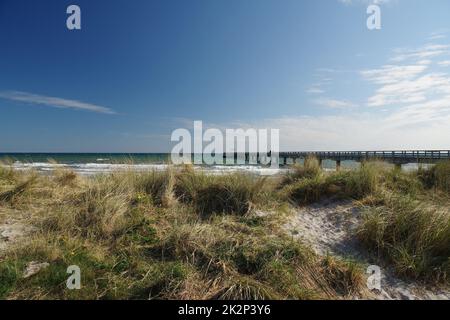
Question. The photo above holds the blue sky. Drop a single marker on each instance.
(137, 70)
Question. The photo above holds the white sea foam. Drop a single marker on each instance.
(98, 168)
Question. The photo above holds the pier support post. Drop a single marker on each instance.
(338, 165)
(320, 163)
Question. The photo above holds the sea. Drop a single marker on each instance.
(97, 163)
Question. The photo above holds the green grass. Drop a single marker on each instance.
(8, 278)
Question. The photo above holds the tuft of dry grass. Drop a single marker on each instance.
(438, 176)
(7, 173)
(412, 235)
(159, 186)
(66, 177)
(14, 194)
(354, 184)
(227, 194)
(346, 277)
(309, 170)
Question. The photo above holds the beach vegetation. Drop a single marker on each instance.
(184, 234)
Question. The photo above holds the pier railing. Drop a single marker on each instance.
(396, 157)
(403, 156)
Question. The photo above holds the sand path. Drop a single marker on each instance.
(12, 228)
(330, 227)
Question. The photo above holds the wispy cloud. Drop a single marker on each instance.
(356, 131)
(392, 74)
(411, 90)
(438, 35)
(334, 103)
(425, 52)
(412, 100)
(412, 79)
(445, 63)
(323, 79)
(315, 90)
(54, 102)
(429, 113)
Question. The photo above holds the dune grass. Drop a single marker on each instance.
(226, 194)
(175, 234)
(413, 235)
(340, 185)
(406, 220)
(309, 170)
(181, 234)
(437, 176)
(407, 223)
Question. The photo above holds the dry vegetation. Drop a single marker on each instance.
(181, 234)
(406, 218)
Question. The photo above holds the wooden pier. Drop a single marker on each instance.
(396, 157)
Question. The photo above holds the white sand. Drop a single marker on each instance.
(329, 227)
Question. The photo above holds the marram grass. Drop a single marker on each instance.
(179, 234)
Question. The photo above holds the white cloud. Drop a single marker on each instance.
(428, 113)
(54, 102)
(412, 79)
(315, 90)
(412, 93)
(438, 36)
(410, 90)
(393, 73)
(362, 131)
(425, 62)
(445, 63)
(425, 52)
(334, 103)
